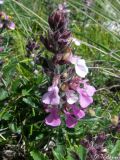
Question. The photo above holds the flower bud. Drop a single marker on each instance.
(67, 54)
(85, 143)
(36, 72)
(57, 20)
(115, 120)
(91, 112)
(93, 150)
(65, 75)
(101, 138)
(64, 87)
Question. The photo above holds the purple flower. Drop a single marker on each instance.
(75, 83)
(5, 21)
(10, 25)
(73, 116)
(80, 66)
(71, 121)
(32, 45)
(78, 112)
(84, 99)
(51, 97)
(53, 118)
(85, 94)
(89, 89)
(75, 93)
(57, 39)
(57, 20)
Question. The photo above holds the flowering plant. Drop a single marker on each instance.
(5, 21)
(70, 93)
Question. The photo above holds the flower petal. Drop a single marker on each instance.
(71, 97)
(1, 24)
(85, 100)
(80, 65)
(53, 118)
(1, 49)
(76, 41)
(72, 59)
(81, 68)
(78, 112)
(11, 25)
(46, 98)
(51, 97)
(90, 90)
(70, 121)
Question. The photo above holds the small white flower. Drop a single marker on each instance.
(32, 63)
(32, 55)
(80, 65)
(36, 72)
(1, 1)
(76, 41)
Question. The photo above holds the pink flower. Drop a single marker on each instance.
(71, 121)
(71, 97)
(53, 118)
(1, 49)
(5, 21)
(51, 97)
(11, 25)
(78, 112)
(89, 89)
(1, 24)
(73, 116)
(80, 66)
(75, 83)
(85, 96)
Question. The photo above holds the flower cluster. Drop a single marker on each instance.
(5, 22)
(31, 46)
(70, 93)
(58, 37)
(95, 147)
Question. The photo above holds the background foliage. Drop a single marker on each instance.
(22, 128)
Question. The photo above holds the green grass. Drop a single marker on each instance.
(20, 88)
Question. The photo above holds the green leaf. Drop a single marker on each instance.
(36, 155)
(3, 94)
(29, 102)
(82, 152)
(116, 149)
(77, 151)
(58, 156)
(6, 116)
